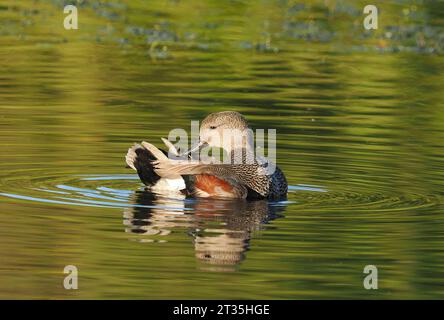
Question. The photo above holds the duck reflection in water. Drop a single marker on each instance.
(221, 229)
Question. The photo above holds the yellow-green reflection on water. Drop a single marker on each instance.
(359, 118)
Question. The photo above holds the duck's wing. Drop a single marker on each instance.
(157, 153)
(252, 176)
(170, 146)
(208, 185)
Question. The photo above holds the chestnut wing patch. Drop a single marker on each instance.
(206, 185)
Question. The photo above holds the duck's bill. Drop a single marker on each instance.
(196, 148)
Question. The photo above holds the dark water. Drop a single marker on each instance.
(360, 136)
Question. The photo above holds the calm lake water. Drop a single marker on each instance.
(360, 135)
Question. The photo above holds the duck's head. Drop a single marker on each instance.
(227, 130)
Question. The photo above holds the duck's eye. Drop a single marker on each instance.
(213, 127)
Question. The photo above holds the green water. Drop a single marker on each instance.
(360, 136)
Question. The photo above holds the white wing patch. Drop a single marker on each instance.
(165, 185)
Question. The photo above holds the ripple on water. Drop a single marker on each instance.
(117, 191)
(221, 231)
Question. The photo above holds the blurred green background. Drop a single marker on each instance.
(359, 117)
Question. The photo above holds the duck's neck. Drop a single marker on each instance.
(240, 147)
(241, 140)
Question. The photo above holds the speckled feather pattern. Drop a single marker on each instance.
(252, 175)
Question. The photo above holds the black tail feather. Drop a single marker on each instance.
(141, 160)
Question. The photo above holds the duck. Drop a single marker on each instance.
(245, 176)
